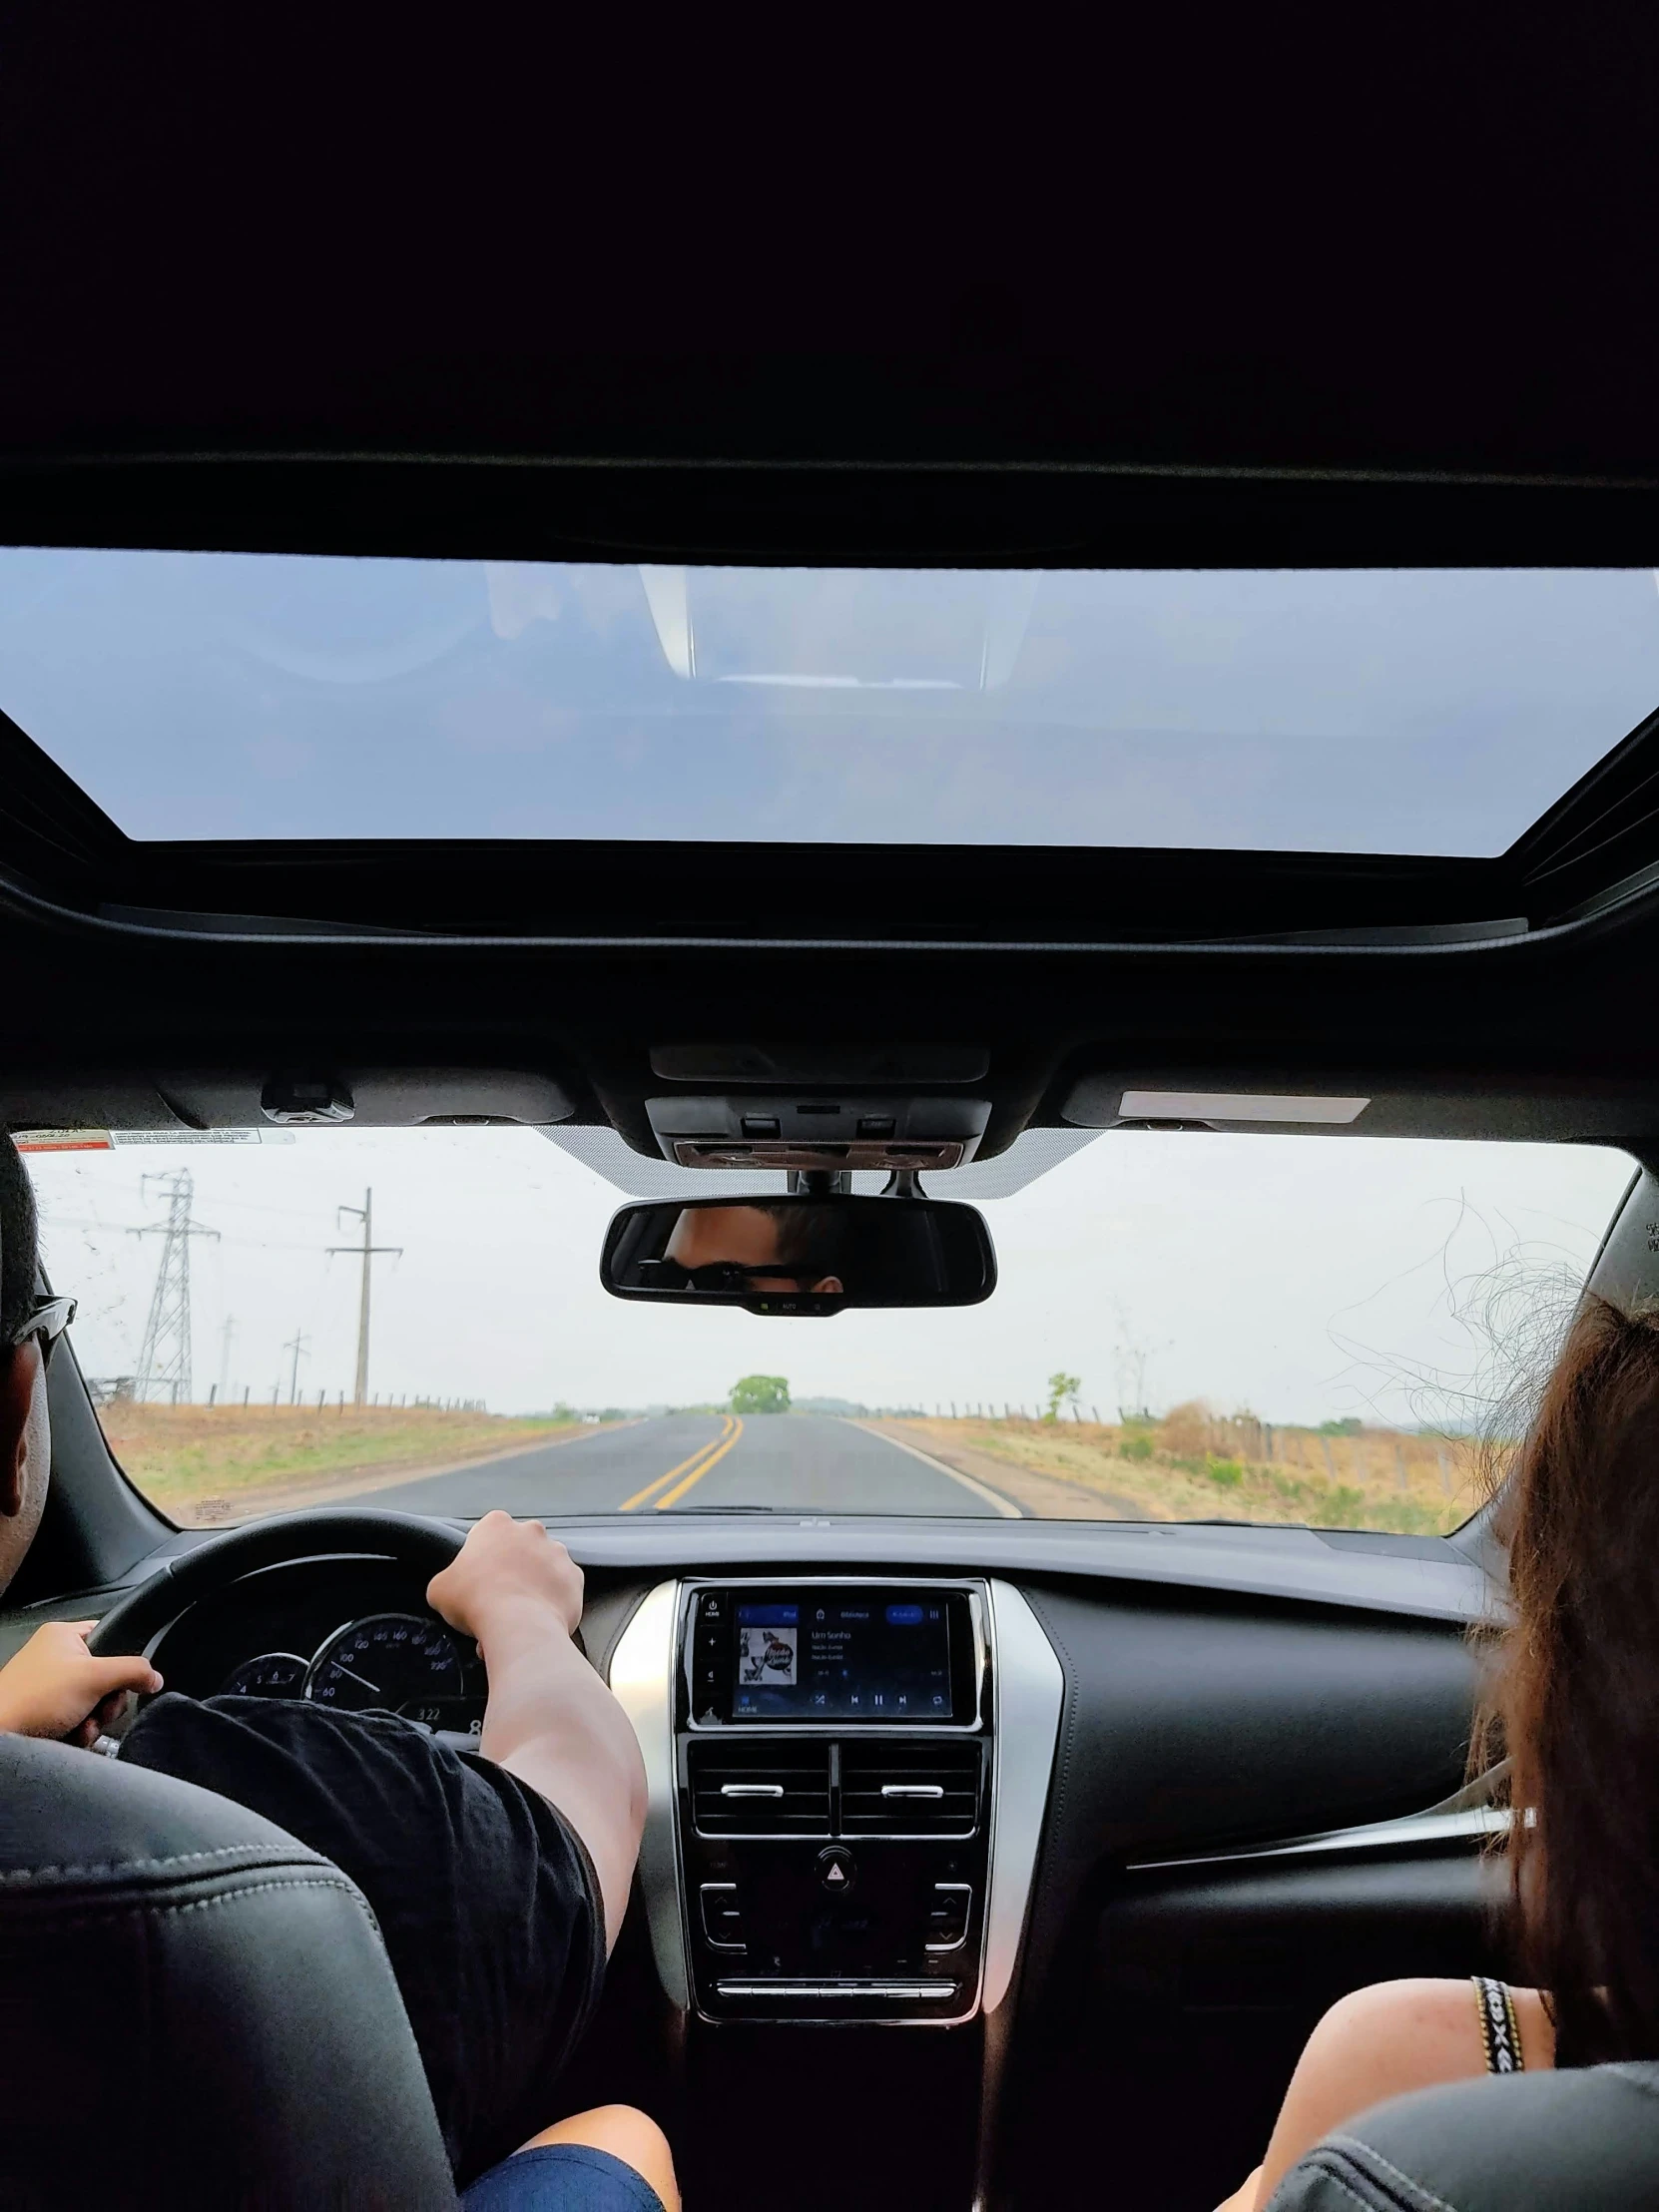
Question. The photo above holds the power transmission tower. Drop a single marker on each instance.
(163, 1361)
(367, 1252)
(296, 1345)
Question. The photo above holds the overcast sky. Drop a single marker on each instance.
(1299, 1277)
(216, 695)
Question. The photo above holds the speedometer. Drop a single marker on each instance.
(388, 1663)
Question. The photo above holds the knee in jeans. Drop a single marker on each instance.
(626, 2133)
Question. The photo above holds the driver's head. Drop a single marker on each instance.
(25, 1439)
(802, 1241)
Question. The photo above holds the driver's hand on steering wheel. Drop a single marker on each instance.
(54, 1687)
(505, 1564)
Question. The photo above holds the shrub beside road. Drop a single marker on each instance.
(1194, 1466)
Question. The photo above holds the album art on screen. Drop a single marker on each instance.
(766, 1655)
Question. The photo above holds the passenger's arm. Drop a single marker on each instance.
(1381, 2042)
(549, 1719)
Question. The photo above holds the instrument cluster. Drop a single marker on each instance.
(409, 1664)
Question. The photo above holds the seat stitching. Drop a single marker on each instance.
(1367, 2203)
(229, 1897)
(1424, 2197)
(143, 1866)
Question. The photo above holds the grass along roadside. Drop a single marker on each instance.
(207, 1466)
(1194, 1466)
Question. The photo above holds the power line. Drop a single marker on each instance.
(164, 1361)
(297, 1343)
(367, 1250)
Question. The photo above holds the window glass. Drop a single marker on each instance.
(1188, 1326)
(263, 696)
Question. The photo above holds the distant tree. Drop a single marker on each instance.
(1349, 1425)
(761, 1393)
(1061, 1386)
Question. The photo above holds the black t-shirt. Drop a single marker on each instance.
(485, 1896)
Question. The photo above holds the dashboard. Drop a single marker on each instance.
(1173, 1802)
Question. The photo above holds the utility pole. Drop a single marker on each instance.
(296, 1345)
(227, 1336)
(367, 1252)
(163, 1361)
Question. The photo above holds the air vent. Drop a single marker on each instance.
(763, 1788)
(915, 1789)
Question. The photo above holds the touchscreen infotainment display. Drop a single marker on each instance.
(832, 1654)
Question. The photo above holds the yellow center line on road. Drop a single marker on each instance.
(696, 1473)
(651, 1488)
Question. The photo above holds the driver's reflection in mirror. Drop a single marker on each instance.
(759, 1248)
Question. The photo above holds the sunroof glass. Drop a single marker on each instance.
(232, 696)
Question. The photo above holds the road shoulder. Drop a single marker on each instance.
(346, 1489)
(1042, 1497)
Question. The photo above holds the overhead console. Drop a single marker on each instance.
(806, 1130)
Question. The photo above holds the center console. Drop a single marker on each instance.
(848, 1776)
(835, 1775)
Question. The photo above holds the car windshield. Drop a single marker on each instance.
(1188, 1326)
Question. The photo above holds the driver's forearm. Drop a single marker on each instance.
(554, 1724)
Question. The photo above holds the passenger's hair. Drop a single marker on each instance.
(1576, 1694)
(18, 1237)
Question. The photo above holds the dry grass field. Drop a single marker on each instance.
(1195, 1465)
(204, 1465)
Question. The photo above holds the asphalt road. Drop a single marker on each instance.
(703, 1462)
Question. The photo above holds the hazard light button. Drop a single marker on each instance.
(837, 1870)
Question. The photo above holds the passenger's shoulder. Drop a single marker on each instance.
(1377, 2042)
(1415, 2008)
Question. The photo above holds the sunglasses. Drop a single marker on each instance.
(46, 1319)
(723, 1275)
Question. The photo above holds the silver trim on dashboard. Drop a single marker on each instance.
(642, 1680)
(904, 1993)
(1473, 1824)
(1029, 1694)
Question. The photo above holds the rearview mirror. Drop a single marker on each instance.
(799, 1255)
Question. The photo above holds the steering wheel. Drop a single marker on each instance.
(421, 1546)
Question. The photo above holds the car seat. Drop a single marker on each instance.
(194, 2009)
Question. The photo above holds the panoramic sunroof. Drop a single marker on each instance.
(240, 696)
